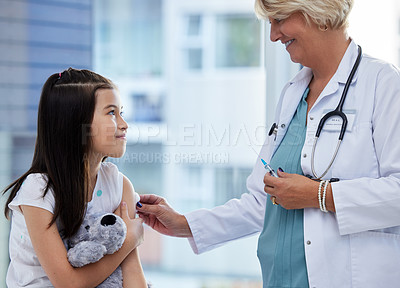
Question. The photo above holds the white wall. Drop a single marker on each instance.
(375, 26)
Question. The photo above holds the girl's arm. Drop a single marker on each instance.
(132, 271)
(52, 253)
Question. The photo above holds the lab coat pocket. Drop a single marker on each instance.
(375, 259)
(357, 155)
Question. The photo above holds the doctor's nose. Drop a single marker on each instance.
(275, 33)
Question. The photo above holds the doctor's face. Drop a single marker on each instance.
(301, 40)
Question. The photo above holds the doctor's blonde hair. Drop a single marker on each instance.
(329, 13)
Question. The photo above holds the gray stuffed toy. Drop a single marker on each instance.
(98, 235)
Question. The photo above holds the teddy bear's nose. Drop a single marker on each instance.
(108, 220)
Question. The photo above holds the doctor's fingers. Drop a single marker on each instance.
(151, 199)
(153, 209)
(273, 193)
(270, 180)
(149, 220)
(169, 223)
(162, 211)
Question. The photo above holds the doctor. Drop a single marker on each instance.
(316, 231)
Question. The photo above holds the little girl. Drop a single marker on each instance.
(79, 125)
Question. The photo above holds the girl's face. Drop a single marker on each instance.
(108, 128)
(301, 40)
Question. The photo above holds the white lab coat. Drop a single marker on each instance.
(359, 245)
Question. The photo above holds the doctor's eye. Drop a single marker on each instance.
(275, 20)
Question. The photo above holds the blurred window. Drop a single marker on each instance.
(237, 41)
(233, 43)
(145, 108)
(194, 25)
(193, 42)
(230, 183)
(129, 37)
(194, 58)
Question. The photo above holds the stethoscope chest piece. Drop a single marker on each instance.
(273, 130)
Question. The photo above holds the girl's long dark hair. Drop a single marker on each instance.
(63, 143)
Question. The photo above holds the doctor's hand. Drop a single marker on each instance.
(160, 216)
(293, 191)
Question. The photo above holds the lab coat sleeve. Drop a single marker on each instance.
(235, 219)
(367, 204)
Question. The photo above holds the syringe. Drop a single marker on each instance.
(266, 165)
(269, 168)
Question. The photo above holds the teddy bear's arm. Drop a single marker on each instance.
(86, 252)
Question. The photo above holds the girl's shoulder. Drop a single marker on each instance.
(110, 174)
(109, 167)
(36, 179)
(109, 171)
(35, 182)
(32, 193)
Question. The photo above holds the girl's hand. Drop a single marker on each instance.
(292, 191)
(134, 234)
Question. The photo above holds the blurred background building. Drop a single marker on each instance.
(199, 81)
(37, 38)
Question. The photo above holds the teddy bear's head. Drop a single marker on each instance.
(109, 230)
(97, 236)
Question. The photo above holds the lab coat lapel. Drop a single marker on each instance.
(342, 73)
(293, 93)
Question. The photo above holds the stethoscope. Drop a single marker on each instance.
(338, 112)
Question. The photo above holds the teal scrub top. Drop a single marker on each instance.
(281, 242)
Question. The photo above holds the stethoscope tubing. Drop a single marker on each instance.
(337, 112)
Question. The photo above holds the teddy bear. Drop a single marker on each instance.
(97, 236)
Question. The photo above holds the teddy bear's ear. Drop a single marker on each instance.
(108, 220)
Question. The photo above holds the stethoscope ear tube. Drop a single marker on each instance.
(329, 115)
(344, 125)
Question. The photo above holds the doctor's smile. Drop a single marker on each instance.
(288, 43)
